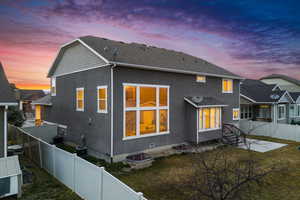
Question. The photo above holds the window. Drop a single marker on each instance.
(146, 110)
(209, 119)
(80, 99)
(298, 110)
(201, 79)
(53, 86)
(281, 112)
(235, 113)
(246, 112)
(227, 85)
(102, 99)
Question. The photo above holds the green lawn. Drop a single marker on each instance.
(162, 180)
(44, 186)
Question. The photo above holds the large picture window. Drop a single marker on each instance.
(209, 119)
(146, 110)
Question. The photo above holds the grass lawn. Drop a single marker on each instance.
(44, 186)
(158, 181)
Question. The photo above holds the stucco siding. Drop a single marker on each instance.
(181, 85)
(96, 126)
(75, 58)
(1, 131)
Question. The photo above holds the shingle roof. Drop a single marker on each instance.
(282, 76)
(46, 100)
(140, 54)
(204, 101)
(6, 93)
(9, 166)
(259, 91)
(295, 95)
(30, 95)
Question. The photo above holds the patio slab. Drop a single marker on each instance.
(261, 145)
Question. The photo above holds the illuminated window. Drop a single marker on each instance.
(38, 112)
(236, 114)
(53, 86)
(102, 99)
(227, 85)
(201, 79)
(146, 110)
(80, 99)
(209, 119)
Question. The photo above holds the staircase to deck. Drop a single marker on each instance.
(232, 135)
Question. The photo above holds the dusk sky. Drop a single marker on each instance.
(252, 38)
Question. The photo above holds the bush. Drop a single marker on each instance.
(15, 116)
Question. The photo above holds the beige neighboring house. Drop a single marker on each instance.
(283, 82)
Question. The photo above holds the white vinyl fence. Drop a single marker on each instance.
(281, 131)
(86, 179)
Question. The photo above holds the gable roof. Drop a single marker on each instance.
(295, 95)
(143, 56)
(284, 77)
(259, 92)
(46, 100)
(7, 96)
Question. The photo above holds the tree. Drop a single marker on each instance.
(15, 116)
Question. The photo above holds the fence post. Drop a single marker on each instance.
(53, 157)
(40, 153)
(74, 172)
(140, 196)
(101, 183)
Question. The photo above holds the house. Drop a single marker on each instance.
(40, 106)
(24, 99)
(263, 102)
(284, 82)
(130, 98)
(6, 99)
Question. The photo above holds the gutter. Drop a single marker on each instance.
(112, 111)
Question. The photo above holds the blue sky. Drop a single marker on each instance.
(252, 38)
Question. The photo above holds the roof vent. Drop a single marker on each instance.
(274, 96)
(197, 99)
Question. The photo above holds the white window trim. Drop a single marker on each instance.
(203, 117)
(227, 92)
(138, 109)
(53, 82)
(98, 100)
(233, 110)
(284, 108)
(201, 81)
(80, 109)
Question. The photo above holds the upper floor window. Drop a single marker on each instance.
(201, 79)
(53, 86)
(281, 112)
(236, 114)
(80, 99)
(146, 110)
(227, 85)
(102, 99)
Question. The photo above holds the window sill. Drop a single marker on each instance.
(227, 92)
(79, 110)
(236, 119)
(102, 111)
(207, 130)
(144, 136)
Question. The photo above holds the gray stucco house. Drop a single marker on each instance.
(130, 98)
(7, 99)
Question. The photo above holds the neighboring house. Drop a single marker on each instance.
(284, 82)
(295, 108)
(25, 97)
(263, 102)
(130, 98)
(7, 99)
(40, 106)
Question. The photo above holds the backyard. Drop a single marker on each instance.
(163, 180)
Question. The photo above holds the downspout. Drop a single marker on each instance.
(112, 112)
(5, 131)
